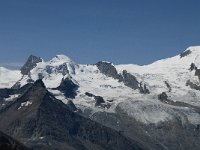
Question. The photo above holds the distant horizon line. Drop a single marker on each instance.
(18, 65)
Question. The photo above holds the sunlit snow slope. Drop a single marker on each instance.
(175, 71)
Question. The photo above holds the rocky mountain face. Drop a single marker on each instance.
(8, 143)
(108, 69)
(68, 87)
(30, 64)
(41, 121)
(99, 100)
(59, 103)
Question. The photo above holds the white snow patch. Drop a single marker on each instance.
(12, 97)
(41, 138)
(25, 104)
(59, 95)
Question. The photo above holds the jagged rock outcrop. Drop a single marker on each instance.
(163, 96)
(8, 143)
(41, 121)
(98, 99)
(64, 69)
(143, 88)
(192, 85)
(185, 53)
(108, 69)
(89, 94)
(30, 64)
(68, 87)
(192, 67)
(130, 80)
(168, 86)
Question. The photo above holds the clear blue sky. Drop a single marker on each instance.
(121, 31)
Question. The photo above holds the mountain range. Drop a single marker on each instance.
(59, 104)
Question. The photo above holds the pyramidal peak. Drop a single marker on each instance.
(30, 64)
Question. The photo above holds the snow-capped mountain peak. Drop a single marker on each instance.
(60, 59)
(166, 92)
(191, 54)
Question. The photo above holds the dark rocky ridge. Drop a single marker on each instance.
(131, 81)
(192, 67)
(108, 69)
(5, 93)
(186, 53)
(197, 71)
(192, 85)
(47, 123)
(99, 100)
(128, 79)
(168, 86)
(30, 64)
(163, 97)
(143, 89)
